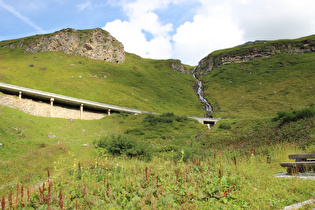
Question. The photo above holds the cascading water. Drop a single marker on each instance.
(206, 105)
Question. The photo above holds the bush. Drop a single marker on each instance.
(141, 151)
(154, 120)
(168, 148)
(167, 114)
(225, 126)
(122, 145)
(181, 118)
(294, 115)
(135, 131)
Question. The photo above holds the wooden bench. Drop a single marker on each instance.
(303, 163)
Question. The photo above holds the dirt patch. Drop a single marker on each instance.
(42, 109)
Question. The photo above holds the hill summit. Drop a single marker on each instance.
(95, 44)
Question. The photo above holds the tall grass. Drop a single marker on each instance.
(212, 170)
(226, 180)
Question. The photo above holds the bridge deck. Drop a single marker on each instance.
(78, 102)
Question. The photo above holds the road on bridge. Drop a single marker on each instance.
(52, 97)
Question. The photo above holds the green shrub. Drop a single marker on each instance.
(225, 126)
(181, 118)
(167, 114)
(168, 148)
(152, 120)
(116, 145)
(135, 131)
(122, 145)
(294, 115)
(141, 151)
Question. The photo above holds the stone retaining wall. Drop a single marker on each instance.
(42, 109)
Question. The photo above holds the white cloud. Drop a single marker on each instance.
(279, 19)
(216, 24)
(133, 39)
(160, 48)
(211, 29)
(143, 20)
(207, 32)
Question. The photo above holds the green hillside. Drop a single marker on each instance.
(262, 87)
(257, 79)
(165, 161)
(145, 84)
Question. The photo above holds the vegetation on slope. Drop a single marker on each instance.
(30, 143)
(230, 166)
(145, 84)
(261, 87)
(283, 44)
(158, 161)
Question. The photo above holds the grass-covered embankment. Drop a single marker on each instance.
(145, 84)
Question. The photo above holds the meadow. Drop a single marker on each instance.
(148, 161)
(232, 166)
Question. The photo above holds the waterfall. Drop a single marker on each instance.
(206, 105)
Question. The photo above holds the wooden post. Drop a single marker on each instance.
(51, 106)
(81, 111)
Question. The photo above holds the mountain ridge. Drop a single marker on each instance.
(254, 50)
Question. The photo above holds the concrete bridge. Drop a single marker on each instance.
(80, 103)
(208, 121)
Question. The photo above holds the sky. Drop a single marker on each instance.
(187, 30)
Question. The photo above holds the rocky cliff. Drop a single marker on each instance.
(254, 50)
(95, 44)
(178, 66)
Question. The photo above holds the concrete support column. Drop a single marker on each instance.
(20, 94)
(108, 112)
(51, 106)
(81, 111)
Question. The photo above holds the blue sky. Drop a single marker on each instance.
(160, 29)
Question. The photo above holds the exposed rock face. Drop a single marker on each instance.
(96, 44)
(252, 51)
(178, 66)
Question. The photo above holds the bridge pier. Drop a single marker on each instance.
(20, 94)
(51, 106)
(81, 111)
(108, 112)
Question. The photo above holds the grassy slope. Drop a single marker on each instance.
(28, 151)
(251, 184)
(262, 87)
(281, 43)
(144, 84)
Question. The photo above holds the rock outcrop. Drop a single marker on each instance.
(252, 51)
(95, 44)
(178, 66)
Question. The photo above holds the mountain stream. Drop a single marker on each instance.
(199, 90)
